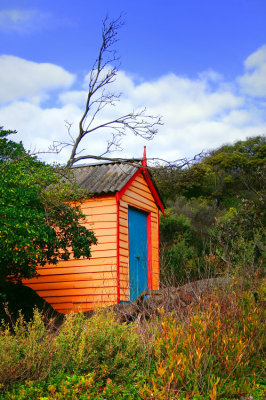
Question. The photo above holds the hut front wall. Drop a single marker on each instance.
(84, 284)
(137, 195)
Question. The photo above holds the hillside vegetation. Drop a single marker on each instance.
(211, 348)
(215, 217)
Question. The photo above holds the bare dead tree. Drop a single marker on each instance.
(103, 73)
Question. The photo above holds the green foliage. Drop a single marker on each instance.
(182, 244)
(225, 174)
(175, 227)
(223, 197)
(37, 225)
(74, 387)
(239, 170)
(216, 353)
(178, 254)
(239, 239)
(25, 351)
(100, 343)
(99, 346)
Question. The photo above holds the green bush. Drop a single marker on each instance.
(73, 387)
(180, 251)
(100, 344)
(216, 353)
(26, 351)
(238, 238)
(82, 346)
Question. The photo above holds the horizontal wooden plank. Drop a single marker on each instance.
(124, 279)
(124, 297)
(66, 308)
(99, 209)
(76, 270)
(123, 245)
(124, 268)
(131, 192)
(94, 226)
(111, 252)
(123, 214)
(138, 202)
(123, 204)
(124, 285)
(81, 299)
(142, 193)
(123, 237)
(78, 277)
(99, 283)
(123, 230)
(123, 223)
(99, 200)
(106, 239)
(124, 289)
(87, 291)
(123, 252)
(94, 218)
(84, 261)
(103, 247)
(109, 231)
(102, 251)
(140, 178)
(141, 184)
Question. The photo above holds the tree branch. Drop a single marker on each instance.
(103, 73)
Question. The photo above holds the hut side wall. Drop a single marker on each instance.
(85, 284)
(137, 195)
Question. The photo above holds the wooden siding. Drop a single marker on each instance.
(84, 284)
(137, 195)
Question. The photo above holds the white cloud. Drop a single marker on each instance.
(24, 21)
(253, 82)
(77, 97)
(20, 78)
(198, 114)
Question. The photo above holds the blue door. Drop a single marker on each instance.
(138, 269)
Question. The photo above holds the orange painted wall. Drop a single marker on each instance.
(84, 284)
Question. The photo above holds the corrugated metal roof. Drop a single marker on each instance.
(107, 178)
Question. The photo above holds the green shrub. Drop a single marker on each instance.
(26, 351)
(239, 236)
(100, 344)
(73, 387)
(180, 249)
(82, 346)
(216, 353)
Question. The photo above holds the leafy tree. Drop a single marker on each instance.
(179, 248)
(225, 175)
(238, 238)
(239, 170)
(38, 225)
(223, 197)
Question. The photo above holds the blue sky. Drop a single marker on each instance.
(201, 65)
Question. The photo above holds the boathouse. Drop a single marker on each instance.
(123, 212)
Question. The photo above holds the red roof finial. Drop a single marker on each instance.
(144, 159)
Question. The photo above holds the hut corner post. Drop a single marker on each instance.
(118, 247)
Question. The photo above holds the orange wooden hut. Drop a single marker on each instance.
(123, 212)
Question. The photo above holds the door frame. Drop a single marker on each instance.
(149, 247)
